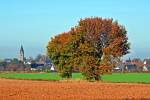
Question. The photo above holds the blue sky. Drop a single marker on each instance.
(33, 22)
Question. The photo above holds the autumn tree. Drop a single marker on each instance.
(59, 53)
(93, 43)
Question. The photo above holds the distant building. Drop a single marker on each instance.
(8, 60)
(131, 68)
(52, 68)
(42, 63)
(21, 55)
(35, 66)
(146, 65)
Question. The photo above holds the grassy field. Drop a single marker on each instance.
(127, 78)
(38, 76)
(115, 78)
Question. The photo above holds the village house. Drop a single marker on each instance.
(146, 65)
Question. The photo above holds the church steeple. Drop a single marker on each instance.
(21, 49)
(21, 56)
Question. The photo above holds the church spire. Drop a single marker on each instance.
(21, 55)
(21, 49)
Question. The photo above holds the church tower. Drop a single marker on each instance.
(21, 56)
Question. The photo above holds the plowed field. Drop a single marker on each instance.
(71, 90)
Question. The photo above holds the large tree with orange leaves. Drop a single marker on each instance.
(94, 42)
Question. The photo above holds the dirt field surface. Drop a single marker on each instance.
(71, 90)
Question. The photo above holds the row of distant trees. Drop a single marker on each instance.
(92, 45)
(16, 65)
(13, 65)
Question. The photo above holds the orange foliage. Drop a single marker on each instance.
(94, 41)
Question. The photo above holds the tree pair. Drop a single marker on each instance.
(92, 44)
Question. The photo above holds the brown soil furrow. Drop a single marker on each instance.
(71, 90)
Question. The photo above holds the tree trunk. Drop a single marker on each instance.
(97, 77)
